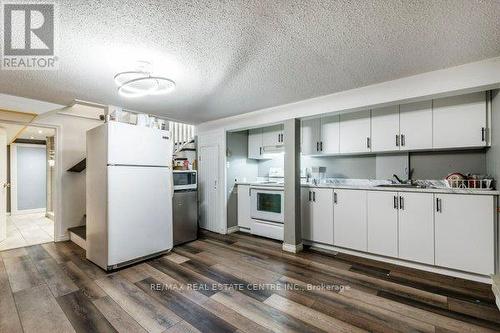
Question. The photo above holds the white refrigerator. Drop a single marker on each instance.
(128, 194)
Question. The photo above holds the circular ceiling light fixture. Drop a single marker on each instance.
(141, 82)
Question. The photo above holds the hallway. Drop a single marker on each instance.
(27, 229)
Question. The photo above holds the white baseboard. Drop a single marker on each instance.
(230, 230)
(77, 240)
(62, 238)
(293, 248)
(423, 267)
(28, 211)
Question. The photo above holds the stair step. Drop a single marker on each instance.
(78, 235)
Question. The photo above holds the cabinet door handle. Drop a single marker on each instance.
(334, 198)
(483, 134)
(281, 137)
(309, 196)
(260, 150)
(321, 145)
(397, 140)
(317, 145)
(395, 202)
(438, 205)
(402, 140)
(367, 142)
(401, 203)
(314, 196)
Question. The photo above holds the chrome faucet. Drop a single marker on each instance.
(399, 181)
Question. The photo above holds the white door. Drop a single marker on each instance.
(415, 125)
(244, 220)
(208, 182)
(310, 136)
(385, 128)
(271, 136)
(322, 217)
(139, 212)
(255, 143)
(355, 132)
(330, 134)
(460, 121)
(383, 222)
(349, 215)
(3, 184)
(416, 227)
(464, 231)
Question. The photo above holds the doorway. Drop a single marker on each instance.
(28, 185)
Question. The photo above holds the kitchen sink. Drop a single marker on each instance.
(400, 186)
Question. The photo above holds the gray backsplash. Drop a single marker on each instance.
(425, 165)
(437, 165)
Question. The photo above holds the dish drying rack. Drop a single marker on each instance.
(477, 184)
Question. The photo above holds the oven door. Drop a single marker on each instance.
(267, 205)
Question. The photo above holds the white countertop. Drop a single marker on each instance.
(369, 187)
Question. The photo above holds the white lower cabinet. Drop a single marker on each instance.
(382, 212)
(244, 219)
(317, 215)
(416, 227)
(349, 215)
(464, 232)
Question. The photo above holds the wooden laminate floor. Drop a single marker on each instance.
(233, 283)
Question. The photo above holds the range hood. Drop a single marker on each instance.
(273, 151)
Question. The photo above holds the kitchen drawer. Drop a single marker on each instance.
(267, 229)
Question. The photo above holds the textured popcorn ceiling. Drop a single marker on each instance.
(231, 57)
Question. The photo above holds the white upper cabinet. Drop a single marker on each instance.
(349, 215)
(465, 232)
(317, 215)
(385, 129)
(415, 125)
(355, 132)
(255, 143)
(416, 227)
(310, 129)
(460, 121)
(330, 135)
(272, 136)
(382, 213)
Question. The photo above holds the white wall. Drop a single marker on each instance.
(472, 77)
(30, 176)
(72, 140)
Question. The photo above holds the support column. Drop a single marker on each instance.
(292, 226)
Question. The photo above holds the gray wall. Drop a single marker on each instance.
(31, 177)
(239, 167)
(427, 165)
(437, 165)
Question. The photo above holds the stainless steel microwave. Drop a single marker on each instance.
(185, 180)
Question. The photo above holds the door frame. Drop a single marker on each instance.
(13, 181)
(57, 200)
(217, 138)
